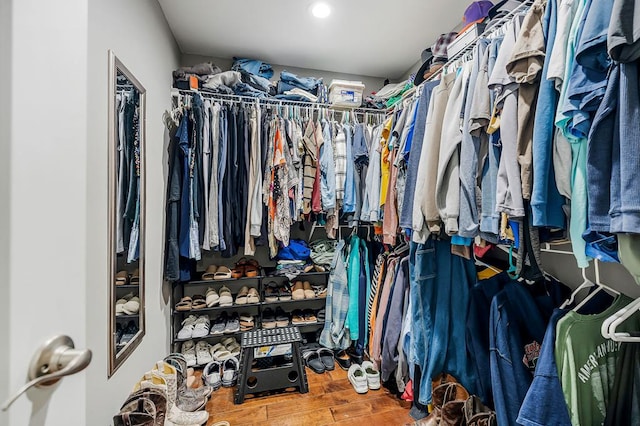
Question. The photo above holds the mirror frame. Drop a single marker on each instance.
(116, 359)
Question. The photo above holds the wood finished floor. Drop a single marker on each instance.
(331, 400)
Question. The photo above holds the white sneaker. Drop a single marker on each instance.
(373, 375)
(358, 378)
(186, 332)
(203, 356)
(201, 327)
(211, 375)
(230, 368)
(188, 351)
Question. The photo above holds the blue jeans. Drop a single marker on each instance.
(440, 298)
(253, 66)
(309, 84)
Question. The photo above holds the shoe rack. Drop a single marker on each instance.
(199, 287)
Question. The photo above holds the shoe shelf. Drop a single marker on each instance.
(212, 283)
(127, 317)
(290, 302)
(128, 287)
(217, 308)
(199, 287)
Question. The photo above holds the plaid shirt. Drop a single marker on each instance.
(340, 160)
(439, 49)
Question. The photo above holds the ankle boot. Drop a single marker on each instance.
(157, 397)
(452, 413)
(478, 414)
(139, 412)
(175, 415)
(180, 364)
(441, 395)
(185, 400)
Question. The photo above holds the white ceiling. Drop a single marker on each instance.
(379, 38)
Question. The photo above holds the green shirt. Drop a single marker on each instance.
(587, 362)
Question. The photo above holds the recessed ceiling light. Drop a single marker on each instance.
(320, 10)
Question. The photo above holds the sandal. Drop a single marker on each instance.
(210, 273)
(271, 292)
(282, 319)
(184, 304)
(226, 299)
(246, 322)
(309, 317)
(238, 270)
(199, 302)
(241, 298)
(297, 317)
(268, 319)
(212, 297)
(327, 358)
(297, 292)
(284, 292)
(132, 306)
(135, 277)
(313, 361)
(251, 268)
(122, 278)
(344, 361)
(253, 296)
(223, 273)
(308, 291)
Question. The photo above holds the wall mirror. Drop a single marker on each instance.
(126, 212)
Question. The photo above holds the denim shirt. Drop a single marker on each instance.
(327, 169)
(350, 176)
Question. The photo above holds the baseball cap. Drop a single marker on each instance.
(476, 12)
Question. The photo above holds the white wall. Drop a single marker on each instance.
(372, 84)
(139, 36)
(5, 152)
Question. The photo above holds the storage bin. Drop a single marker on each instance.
(465, 39)
(346, 93)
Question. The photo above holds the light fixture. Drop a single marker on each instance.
(320, 10)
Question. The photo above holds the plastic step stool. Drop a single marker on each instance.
(269, 343)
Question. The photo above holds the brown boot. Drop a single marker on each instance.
(478, 414)
(139, 412)
(441, 395)
(452, 413)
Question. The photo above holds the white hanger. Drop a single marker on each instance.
(587, 283)
(610, 325)
(599, 288)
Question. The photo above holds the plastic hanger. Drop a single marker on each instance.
(599, 288)
(610, 325)
(587, 283)
(512, 267)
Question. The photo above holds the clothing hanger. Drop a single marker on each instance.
(512, 267)
(587, 283)
(599, 287)
(610, 325)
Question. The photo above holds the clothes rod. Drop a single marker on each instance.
(280, 102)
(498, 25)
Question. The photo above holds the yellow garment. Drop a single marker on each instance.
(494, 122)
(487, 273)
(385, 164)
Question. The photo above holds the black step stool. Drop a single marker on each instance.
(254, 380)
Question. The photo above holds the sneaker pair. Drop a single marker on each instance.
(364, 377)
(225, 324)
(221, 373)
(194, 327)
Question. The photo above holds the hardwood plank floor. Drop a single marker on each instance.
(331, 401)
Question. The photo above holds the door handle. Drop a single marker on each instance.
(56, 358)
